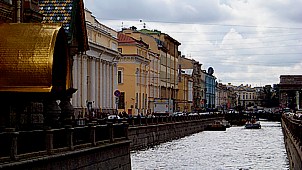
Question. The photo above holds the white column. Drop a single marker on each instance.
(114, 76)
(111, 86)
(104, 85)
(84, 82)
(80, 80)
(108, 86)
(97, 81)
(75, 80)
(101, 84)
(92, 81)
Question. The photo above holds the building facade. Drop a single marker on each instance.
(133, 73)
(246, 96)
(210, 81)
(95, 73)
(221, 97)
(169, 55)
(153, 68)
(185, 94)
(198, 83)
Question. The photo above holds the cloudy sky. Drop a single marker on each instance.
(245, 41)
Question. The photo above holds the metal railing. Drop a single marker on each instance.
(294, 126)
(16, 145)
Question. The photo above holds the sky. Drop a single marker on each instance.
(246, 41)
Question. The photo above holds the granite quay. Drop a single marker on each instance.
(292, 130)
(94, 143)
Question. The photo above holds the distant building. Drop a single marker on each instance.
(246, 96)
(290, 91)
(196, 73)
(221, 96)
(185, 94)
(210, 81)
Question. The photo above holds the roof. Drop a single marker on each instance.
(57, 11)
(71, 14)
(122, 38)
(27, 56)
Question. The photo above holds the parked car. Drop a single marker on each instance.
(178, 114)
(193, 114)
(113, 117)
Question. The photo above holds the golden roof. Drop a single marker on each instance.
(26, 56)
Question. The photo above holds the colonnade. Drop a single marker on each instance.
(94, 78)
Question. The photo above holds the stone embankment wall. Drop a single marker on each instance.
(292, 130)
(89, 147)
(95, 146)
(112, 156)
(149, 135)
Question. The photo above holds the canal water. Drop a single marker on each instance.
(235, 148)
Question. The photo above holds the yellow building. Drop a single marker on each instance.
(133, 69)
(153, 69)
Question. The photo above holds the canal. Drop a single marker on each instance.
(235, 148)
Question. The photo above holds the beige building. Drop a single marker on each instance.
(221, 96)
(169, 55)
(153, 68)
(246, 96)
(185, 93)
(94, 73)
(198, 77)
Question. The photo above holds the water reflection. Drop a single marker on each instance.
(236, 148)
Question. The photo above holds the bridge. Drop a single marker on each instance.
(240, 118)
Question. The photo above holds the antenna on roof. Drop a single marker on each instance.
(144, 24)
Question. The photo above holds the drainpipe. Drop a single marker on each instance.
(18, 11)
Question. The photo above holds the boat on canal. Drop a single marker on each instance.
(216, 126)
(252, 124)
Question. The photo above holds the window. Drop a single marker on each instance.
(137, 76)
(136, 100)
(113, 46)
(119, 76)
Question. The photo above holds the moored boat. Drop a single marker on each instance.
(225, 123)
(252, 125)
(216, 126)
